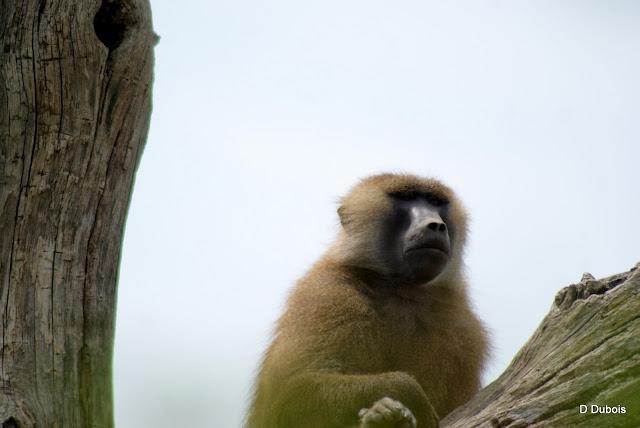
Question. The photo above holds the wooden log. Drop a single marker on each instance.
(586, 352)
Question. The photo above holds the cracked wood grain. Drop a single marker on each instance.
(75, 100)
(585, 352)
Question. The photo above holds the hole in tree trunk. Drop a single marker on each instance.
(114, 20)
(10, 423)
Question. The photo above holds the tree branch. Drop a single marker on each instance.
(585, 352)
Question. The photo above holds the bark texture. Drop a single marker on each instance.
(585, 352)
(75, 100)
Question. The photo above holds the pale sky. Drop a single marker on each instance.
(265, 113)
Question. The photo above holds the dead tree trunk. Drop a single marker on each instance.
(75, 100)
(586, 352)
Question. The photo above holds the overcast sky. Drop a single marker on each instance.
(265, 113)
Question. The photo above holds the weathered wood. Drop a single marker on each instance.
(585, 352)
(75, 100)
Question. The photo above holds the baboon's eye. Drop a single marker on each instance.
(405, 196)
(409, 196)
(436, 200)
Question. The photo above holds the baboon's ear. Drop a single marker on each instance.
(343, 215)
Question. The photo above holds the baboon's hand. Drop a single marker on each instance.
(387, 413)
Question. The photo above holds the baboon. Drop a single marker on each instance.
(379, 332)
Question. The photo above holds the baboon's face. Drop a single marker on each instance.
(416, 243)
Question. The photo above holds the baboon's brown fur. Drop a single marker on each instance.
(351, 334)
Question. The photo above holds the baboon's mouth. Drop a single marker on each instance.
(429, 246)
